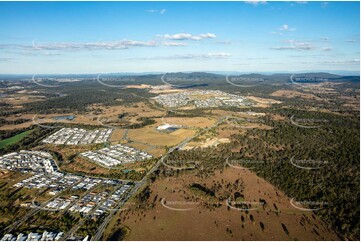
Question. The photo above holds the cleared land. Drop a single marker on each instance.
(277, 220)
(295, 94)
(199, 122)
(151, 136)
(206, 143)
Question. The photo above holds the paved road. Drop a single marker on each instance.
(19, 222)
(102, 227)
(106, 221)
(138, 185)
(125, 135)
(71, 204)
(82, 220)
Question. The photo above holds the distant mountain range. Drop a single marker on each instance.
(196, 77)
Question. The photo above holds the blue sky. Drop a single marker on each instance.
(102, 37)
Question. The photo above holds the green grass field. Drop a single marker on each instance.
(14, 139)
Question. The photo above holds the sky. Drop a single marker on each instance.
(112, 37)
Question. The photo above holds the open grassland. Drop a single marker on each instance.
(189, 213)
(263, 102)
(11, 197)
(14, 139)
(197, 122)
(97, 114)
(150, 135)
(295, 94)
(117, 135)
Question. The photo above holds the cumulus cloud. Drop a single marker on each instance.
(187, 36)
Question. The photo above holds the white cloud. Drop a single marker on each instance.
(211, 55)
(174, 44)
(285, 27)
(186, 36)
(219, 55)
(276, 33)
(295, 45)
(324, 4)
(352, 40)
(160, 11)
(256, 3)
(337, 62)
(224, 42)
(326, 49)
(73, 46)
(282, 29)
(4, 59)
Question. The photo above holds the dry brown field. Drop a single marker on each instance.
(295, 94)
(195, 221)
